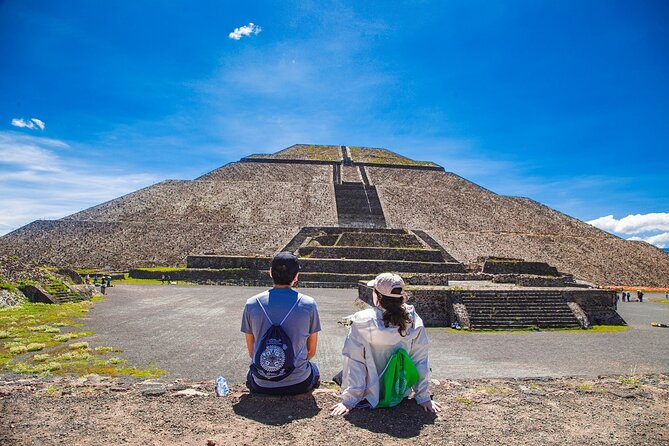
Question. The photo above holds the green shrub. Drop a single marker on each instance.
(35, 346)
(18, 349)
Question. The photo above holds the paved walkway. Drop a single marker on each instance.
(193, 332)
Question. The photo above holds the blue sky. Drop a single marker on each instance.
(563, 102)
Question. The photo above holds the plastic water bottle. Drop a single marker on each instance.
(222, 388)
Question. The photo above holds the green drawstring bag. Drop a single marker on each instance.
(399, 375)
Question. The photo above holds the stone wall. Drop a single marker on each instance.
(379, 239)
(247, 277)
(433, 306)
(228, 262)
(599, 305)
(518, 267)
(347, 252)
(338, 266)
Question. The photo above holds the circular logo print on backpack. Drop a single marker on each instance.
(273, 358)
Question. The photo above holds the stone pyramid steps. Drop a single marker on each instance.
(358, 205)
(518, 309)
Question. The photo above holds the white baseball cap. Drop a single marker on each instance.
(386, 283)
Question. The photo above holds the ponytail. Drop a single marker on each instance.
(395, 313)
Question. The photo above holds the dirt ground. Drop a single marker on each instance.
(105, 411)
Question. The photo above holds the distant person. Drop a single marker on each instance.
(102, 286)
(375, 337)
(281, 328)
(628, 296)
(95, 279)
(87, 279)
(109, 279)
(639, 296)
(666, 295)
(162, 279)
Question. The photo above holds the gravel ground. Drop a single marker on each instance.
(95, 411)
(193, 332)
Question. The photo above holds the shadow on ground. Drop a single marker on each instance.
(403, 421)
(276, 410)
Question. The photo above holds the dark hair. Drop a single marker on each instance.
(284, 268)
(395, 313)
(282, 276)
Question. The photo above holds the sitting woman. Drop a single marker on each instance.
(375, 335)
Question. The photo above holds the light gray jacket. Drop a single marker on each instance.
(368, 347)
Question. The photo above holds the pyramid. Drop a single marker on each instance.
(258, 205)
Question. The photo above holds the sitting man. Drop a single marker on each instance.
(281, 327)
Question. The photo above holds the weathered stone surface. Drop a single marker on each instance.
(10, 298)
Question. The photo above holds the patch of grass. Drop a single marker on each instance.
(35, 347)
(105, 349)
(71, 335)
(75, 356)
(132, 281)
(32, 328)
(18, 349)
(631, 380)
(44, 329)
(584, 387)
(7, 286)
(490, 390)
(463, 400)
(51, 390)
(658, 300)
(164, 268)
(41, 369)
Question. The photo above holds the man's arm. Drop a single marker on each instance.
(312, 343)
(249, 343)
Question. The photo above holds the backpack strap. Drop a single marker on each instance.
(299, 297)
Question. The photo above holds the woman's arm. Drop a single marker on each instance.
(354, 379)
(312, 344)
(249, 343)
(419, 356)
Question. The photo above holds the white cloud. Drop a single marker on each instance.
(659, 240)
(39, 181)
(31, 124)
(652, 228)
(634, 223)
(245, 30)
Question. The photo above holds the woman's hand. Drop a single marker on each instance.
(431, 406)
(339, 409)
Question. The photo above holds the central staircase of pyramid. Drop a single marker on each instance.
(341, 256)
(358, 205)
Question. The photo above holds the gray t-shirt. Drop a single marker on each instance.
(301, 322)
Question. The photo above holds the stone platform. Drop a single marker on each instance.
(488, 305)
